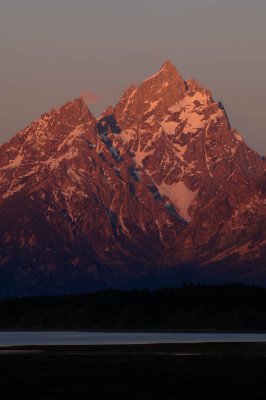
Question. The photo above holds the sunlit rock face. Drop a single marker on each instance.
(158, 182)
(186, 144)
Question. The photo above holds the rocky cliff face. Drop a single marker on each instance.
(158, 182)
(186, 144)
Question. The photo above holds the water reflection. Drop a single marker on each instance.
(112, 338)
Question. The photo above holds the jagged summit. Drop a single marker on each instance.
(71, 110)
(158, 183)
(158, 92)
(167, 64)
(46, 132)
(167, 72)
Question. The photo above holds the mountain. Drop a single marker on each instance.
(160, 189)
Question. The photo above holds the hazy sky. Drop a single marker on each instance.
(54, 50)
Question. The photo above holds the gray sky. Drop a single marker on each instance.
(54, 50)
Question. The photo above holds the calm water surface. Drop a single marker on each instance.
(112, 338)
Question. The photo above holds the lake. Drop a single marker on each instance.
(116, 338)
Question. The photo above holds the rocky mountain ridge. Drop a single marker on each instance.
(160, 183)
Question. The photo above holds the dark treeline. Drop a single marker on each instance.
(225, 307)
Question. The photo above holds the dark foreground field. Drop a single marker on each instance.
(180, 371)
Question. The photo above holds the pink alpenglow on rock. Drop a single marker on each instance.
(160, 189)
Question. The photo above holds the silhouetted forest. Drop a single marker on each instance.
(227, 307)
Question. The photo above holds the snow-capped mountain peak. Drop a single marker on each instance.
(156, 182)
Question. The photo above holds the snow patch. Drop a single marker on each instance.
(129, 99)
(190, 110)
(169, 127)
(127, 135)
(13, 190)
(159, 229)
(238, 137)
(150, 120)
(153, 105)
(14, 163)
(181, 196)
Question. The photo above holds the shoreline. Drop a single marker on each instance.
(152, 331)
